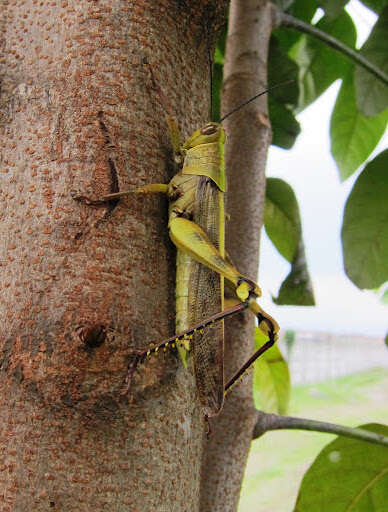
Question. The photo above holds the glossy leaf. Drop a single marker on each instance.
(319, 64)
(347, 476)
(297, 288)
(353, 135)
(271, 381)
(281, 217)
(365, 226)
(372, 94)
(283, 227)
(285, 127)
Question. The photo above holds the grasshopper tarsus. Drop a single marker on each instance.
(140, 358)
(131, 370)
(99, 201)
(81, 198)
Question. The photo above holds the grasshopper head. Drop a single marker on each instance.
(211, 132)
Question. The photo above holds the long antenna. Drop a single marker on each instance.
(235, 109)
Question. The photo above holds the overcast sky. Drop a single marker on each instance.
(312, 172)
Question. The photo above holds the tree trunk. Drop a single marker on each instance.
(248, 138)
(84, 286)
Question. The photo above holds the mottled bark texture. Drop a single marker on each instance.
(82, 286)
(249, 135)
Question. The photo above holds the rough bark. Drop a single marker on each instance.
(248, 137)
(81, 286)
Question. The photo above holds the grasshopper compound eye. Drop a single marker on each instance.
(209, 129)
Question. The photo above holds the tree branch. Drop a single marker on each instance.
(289, 21)
(274, 422)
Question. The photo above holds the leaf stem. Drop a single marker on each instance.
(275, 422)
(288, 21)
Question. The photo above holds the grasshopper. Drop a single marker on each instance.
(197, 228)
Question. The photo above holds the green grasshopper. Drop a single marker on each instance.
(197, 228)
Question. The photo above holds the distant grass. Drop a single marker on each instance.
(278, 460)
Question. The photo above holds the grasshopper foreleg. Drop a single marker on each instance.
(81, 198)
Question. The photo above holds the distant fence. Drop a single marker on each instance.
(319, 356)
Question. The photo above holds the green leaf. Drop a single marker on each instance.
(297, 288)
(282, 225)
(302, 10)
(285, 127)
(375, 5)
(281, 68)
(353, 135)
(216, 91)
(384, 297)
(372, 94)
(217, 75)
(347, 476)
(219, 53)
(365, 226)
(319, 64)
(281, 217)
(386, 339)
(332, 8)
(271, 379)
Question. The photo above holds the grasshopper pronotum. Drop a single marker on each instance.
(197, 228)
